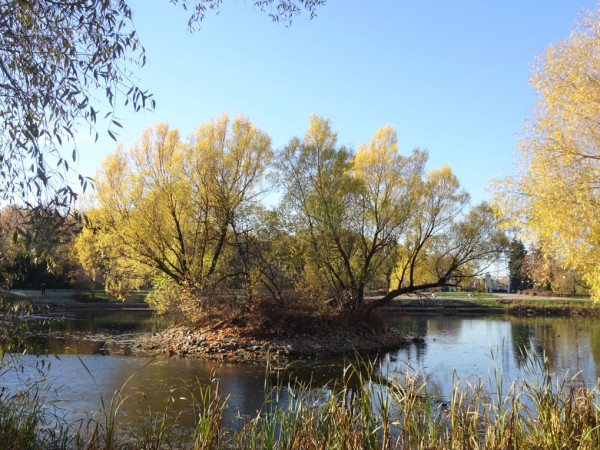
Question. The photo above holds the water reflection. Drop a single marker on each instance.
(570, 345)
(481, 348)
(97, 332)
(80, 382)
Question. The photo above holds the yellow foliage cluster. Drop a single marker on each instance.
(554, 196)
(377, 220)
(182, 215)
(165, 208)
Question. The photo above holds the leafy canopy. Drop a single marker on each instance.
(63, 66)
(55, 59)
(554, 195)
(167, 207)
(376, 216)
(184, 214)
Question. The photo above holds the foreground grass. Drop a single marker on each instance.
(361, 410)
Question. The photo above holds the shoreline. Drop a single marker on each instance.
(227, 341)
(237, 345)
(231, 343)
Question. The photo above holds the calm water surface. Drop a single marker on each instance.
(482, 348)
(470, 348)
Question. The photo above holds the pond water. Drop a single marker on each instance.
(445, 347)
(473, 348)
(96, 332)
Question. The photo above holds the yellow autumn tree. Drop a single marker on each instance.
(167, 209)
(554, 195)
(377, 213)
(440, 201)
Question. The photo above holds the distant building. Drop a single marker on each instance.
(495, 284)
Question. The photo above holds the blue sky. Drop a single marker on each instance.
(452, 77)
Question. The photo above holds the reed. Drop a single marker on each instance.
(362, 409)
(28, 416)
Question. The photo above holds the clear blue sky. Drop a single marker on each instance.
(452, 77)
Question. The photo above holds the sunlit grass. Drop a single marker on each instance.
(495, 303)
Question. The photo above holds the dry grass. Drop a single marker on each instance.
(359, 410)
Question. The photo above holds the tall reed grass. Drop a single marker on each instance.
(360, 410)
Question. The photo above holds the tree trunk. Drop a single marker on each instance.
(386, 299)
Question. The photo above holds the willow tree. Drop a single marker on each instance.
(377, 212)
(62, 65)
(554, 195)
(167, 208)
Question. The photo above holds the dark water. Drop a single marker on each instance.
(470, 348)
(95, 332)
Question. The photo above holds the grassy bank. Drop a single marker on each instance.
(66, 297)
(359, 410)
(511, 304)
